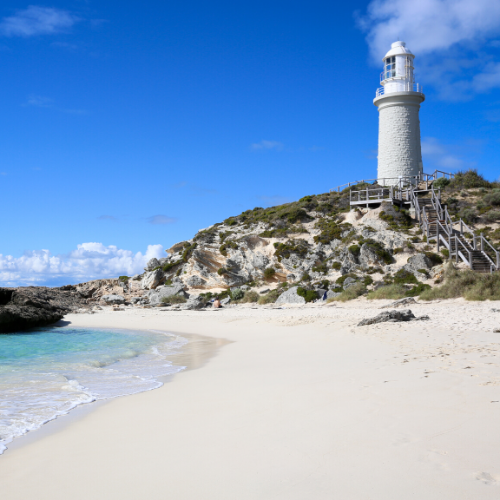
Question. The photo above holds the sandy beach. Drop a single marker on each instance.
(288, 403)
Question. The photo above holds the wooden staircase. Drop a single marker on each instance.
(437, 225)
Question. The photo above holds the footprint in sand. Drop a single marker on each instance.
(486, 478)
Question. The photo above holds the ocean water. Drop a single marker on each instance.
(47, 372)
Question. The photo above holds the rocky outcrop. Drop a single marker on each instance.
(113, 299)
(30, 307)
(291, 297)
(155, 296)
(152, 279)
(392, 317)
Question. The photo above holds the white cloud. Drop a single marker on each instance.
(440, 155)
(39, 101)
(458, 34)
(88, 261)
(37, 20)
(277, 146)
(160, 219)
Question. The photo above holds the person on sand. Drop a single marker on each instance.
(217, 303)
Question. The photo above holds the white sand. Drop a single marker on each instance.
(301, 405)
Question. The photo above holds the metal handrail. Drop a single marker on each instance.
(408, 87)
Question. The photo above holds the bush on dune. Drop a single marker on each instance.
(467, 284)
(353, 292)
(270, 297)
(393, 292)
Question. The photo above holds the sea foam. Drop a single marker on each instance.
(47, 372)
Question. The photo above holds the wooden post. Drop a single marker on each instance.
(437, 235)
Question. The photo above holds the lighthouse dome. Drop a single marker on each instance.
(398, 49)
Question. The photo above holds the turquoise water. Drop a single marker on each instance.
(47, 372)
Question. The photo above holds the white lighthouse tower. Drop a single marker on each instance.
(398, 103)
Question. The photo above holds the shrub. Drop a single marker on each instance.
(336, 266)
(368, 280)
(123, 279)
(397, 250)
(269, 272)
(250, 296)
(355, 250)
(188, 250)
(467, 284)
(305, 277)
(351, 293)
(435, 258)
(237, 294)
(309, 295)
(221, 271)
(297, 247)
(174, 299)
(469, 215)
(228, 244)
(320, 268)
(417, 290)
(445, 252)
(330, 230)
(340, 281)
(170, 265)
(441, 183)
(393, 292)
(492, 215)
(468, 179)
(404, 277)
(379, 251)
(493, 198)
(269, 298)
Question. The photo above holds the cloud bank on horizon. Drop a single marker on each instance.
(461, 35)
(89, 261)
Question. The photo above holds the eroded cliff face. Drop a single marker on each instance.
(312, 247)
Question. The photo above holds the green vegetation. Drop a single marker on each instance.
(123, 279)
(445, 252)
(441, 183)
(188, 250)
(174, 299)
(298, 247)
(270, 297)
(467, 180)
(222, 271)
(320, 268)
(269, 273)
(336, 266)
(392, 292)
(228, 244)
(250, 296)
(309, 295)
(237, 294)
(435, 258)
(467, 284)
(353, 292)
(330, 230)
(397, 219)
(355, 250)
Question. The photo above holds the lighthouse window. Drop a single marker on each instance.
(390, 67)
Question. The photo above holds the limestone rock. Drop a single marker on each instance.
(113, 299)
(152, 263)
(225, 301)
(418, 261)
(196, 281)
(194, 303)
(349, 282)
(392, 317)
(331, 295)
(401, 302)
(155, 296)
(291, 297)
(152, 279)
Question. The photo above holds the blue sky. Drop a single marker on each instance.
(128, 126)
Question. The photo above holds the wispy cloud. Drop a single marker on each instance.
(88, 261)
(160, 220)
(444, 156)
(37, 20)
(38, 101)
(460, 35)
(263, 145)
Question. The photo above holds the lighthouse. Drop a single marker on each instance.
(398, 102)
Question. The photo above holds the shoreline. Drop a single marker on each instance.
(300, 404)
(191, 357)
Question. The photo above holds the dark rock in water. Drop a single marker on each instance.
(22, 308)
(393, 317)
